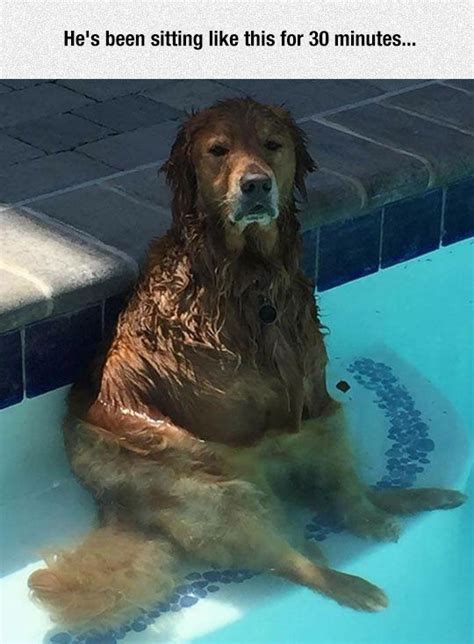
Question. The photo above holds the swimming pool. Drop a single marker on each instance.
(403, 339)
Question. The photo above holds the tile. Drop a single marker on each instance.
(59, 350)
(111, 217)
(112, 308)
(22, 83)
(70, 271)
(459, 212)
(35, 102)
(306, 97)
(131, 149)
(129, 113)
(189, 95)
(386, 175)
(11, 370)
(21, 300)
(394, 84)
(102, 90)
(14, 151)
(309, 247)
(467, 84)
(348, 250)
(450, 105)
(47, 174)
(58, 133)
(148, 184)
(450, 153)
(411, 227)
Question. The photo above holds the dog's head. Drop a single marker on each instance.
(239, 161)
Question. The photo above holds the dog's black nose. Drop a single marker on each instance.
(256, 185)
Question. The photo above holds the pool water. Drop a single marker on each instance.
(403, 338)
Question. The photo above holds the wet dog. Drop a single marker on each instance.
(211, 401)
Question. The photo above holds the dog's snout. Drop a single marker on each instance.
(256, 185)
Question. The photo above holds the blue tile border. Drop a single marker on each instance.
(348, 249)
(55, 350)
(11, 369)
(58, 350)
(411, 227)
(459, 212)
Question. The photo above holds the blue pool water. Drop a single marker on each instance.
(404, 340)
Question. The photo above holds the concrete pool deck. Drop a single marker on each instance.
(79, 192)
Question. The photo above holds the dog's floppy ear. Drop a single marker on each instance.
(180, 176)
(304, 162)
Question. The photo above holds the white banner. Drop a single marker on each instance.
(236, 39)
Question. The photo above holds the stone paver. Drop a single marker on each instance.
(440, 102)
(14, 151)
(306, 97)
(35, 102)
(385, 174)
(129, 113)
(58, 133)
(193, 94)
(72, 271)
(21, 300)
(467, 85)
(22, 83)
(131, 149)
(112, 218)
(450, 153)
(40, 176)
(102, 90)
(148, 184)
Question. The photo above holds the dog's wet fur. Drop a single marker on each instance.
(204, 414)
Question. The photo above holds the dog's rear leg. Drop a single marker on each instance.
(413, 500)
(232, 524)
(106, 579)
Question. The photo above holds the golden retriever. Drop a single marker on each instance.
(210, 405)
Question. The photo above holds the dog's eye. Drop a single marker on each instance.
(218, 150)
(272, 145)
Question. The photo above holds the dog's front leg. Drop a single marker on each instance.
(323, 456)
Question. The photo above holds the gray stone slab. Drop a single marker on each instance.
(330, 197)
(71, 271)
(147, 184)
(113, 218)
(191, 95)
(35, 102)
(440, 102)
(22, 83)
(465, 84)
(129, 113)
(21, 300)
(307, 97)
(13, 151)
(102, 90)
(394, 84)
(131, 149)
(449, 152)
(386, 175)
(58, 133)
(40, 176)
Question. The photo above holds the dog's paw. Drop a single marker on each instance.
(352, 591)
(372, 523)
